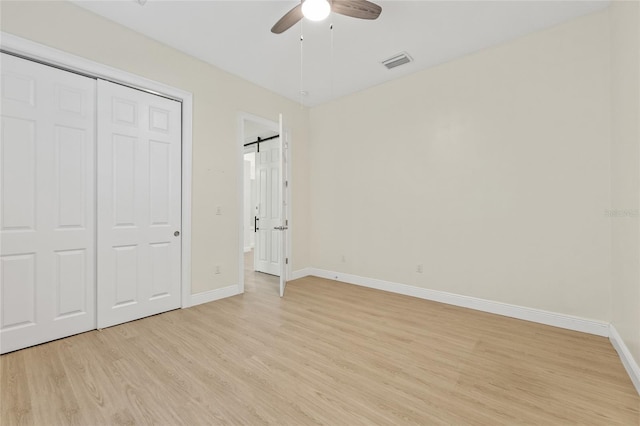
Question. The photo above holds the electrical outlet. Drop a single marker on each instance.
(218, 211)
(217, 272)
(343, 259)
(419, 268)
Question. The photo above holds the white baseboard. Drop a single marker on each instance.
(211, 295)
(628, 361)
(514, 311)
(301, 273)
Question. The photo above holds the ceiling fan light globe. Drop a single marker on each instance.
(316, 10)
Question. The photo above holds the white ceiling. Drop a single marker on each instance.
(235, 36)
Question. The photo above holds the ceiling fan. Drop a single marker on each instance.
(317, 10)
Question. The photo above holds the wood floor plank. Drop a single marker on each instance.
(327, 354)
(17, 403)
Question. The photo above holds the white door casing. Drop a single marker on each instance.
(139, 194)
(47, 214)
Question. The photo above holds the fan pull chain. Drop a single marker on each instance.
(331, 63)
(301, 65)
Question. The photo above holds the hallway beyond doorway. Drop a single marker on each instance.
(258, 282)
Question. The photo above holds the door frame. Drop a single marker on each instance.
(37, 52)
(273, 125)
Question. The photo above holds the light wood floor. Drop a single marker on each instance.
(328, 353)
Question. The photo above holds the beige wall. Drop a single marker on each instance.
(218, 98)
(625, 165)
(492, 171)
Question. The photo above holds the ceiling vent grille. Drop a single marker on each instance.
(397, 60)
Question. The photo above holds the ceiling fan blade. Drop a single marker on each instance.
(288, 20)
(362, 9)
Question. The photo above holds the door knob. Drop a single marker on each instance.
(175, 234)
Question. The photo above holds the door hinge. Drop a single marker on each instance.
(286, 222)
(286, 261)
(286, 183)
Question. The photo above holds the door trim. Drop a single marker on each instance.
(27, 49)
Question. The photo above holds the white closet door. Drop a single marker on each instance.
(47, 226)
(267, 250)
(139, 198)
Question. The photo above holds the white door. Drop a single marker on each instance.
(267, 251)
(283, 229)
(47, 226)
(139, 198)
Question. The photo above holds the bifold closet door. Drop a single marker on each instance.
(139, 204)
(47, 225)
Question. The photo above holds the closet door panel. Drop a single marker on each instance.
(69, 283)
(139, 194)
(70, 169)
(18, 301)
(47, 226)
(18, 165)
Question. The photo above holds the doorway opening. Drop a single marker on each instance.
(260, 145)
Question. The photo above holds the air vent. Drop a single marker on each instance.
(397, 60)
